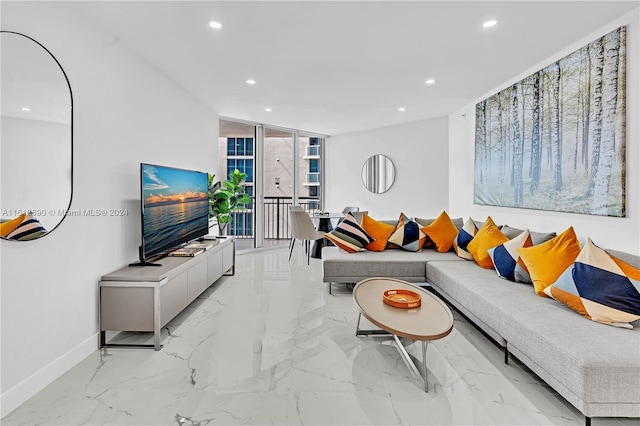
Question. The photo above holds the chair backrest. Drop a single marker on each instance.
(358, 215)
(350, 209)
(302, 225)
(292, 221)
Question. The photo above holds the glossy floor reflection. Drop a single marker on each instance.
(271, 346)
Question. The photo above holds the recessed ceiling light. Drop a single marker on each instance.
(250, 82)
(430, 81)
(268, 109)
(402, 109)
(489, 24)
(215, 25)
(26, 109)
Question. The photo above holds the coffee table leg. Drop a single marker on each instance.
(424, 363)
(410, 364)
(369, 332)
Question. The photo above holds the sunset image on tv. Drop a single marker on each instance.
(175, 205)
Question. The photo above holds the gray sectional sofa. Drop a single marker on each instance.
(595, 367)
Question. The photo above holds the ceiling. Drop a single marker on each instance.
(335, 67)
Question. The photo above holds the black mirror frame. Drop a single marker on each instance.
(71, 132)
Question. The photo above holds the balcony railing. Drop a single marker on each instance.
(276, 217)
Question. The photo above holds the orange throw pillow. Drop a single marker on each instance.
(7, 227)
(488, 236)
(442, 232)
(547, 261)
(379, 230)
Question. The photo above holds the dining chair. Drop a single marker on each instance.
(296, 208)
(350, 209)
(358, 215)
(302, 229)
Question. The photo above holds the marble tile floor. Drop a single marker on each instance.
(271, 346)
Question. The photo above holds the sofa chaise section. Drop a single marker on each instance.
(596, 367)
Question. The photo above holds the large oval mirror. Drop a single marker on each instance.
(378, 174)
(36, 141)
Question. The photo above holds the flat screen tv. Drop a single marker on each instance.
(174, 208)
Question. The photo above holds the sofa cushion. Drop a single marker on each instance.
(349, 235)
(408, 235)
(600, 287)
(338, 266)
(458, 222)
(8, 226)
(536, 237)
(506, 259)
(29, 229)
(488, 236)
(380, 231)
(463, 239)
(477, 289)
(442, 231)
(547, 261)
(595, 362)
(521, 275)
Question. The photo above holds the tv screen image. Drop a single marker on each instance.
(175, 207)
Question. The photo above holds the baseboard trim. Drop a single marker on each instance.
(12, 398)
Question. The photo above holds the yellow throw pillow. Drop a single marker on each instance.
(7, 227)
(442, 232)
(379, 230)
(547, 261)
(488, 236)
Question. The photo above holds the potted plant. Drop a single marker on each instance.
(227, 196)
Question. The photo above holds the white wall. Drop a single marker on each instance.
(616, 233)
(125, 112)
(419, 152)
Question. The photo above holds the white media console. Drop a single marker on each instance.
(146, 298)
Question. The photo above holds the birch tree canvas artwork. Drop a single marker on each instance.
(556, 139)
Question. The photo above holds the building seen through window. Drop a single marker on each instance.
(237, 148)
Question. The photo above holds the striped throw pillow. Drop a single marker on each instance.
(349, 235)
(29, 229)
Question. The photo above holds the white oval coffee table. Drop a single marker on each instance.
(430, 321)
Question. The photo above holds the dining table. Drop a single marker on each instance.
(323, 224)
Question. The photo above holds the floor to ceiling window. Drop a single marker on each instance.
(240, 157)
(283, 166)
(279, 175)
(310, 193)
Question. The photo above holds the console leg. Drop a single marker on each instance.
(506, 355)
(587, 421)
(156, 318)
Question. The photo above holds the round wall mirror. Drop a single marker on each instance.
(378, 174)
(36, 151)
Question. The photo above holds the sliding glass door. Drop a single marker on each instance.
(279, 184)
(236, 150)
(284, 167)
